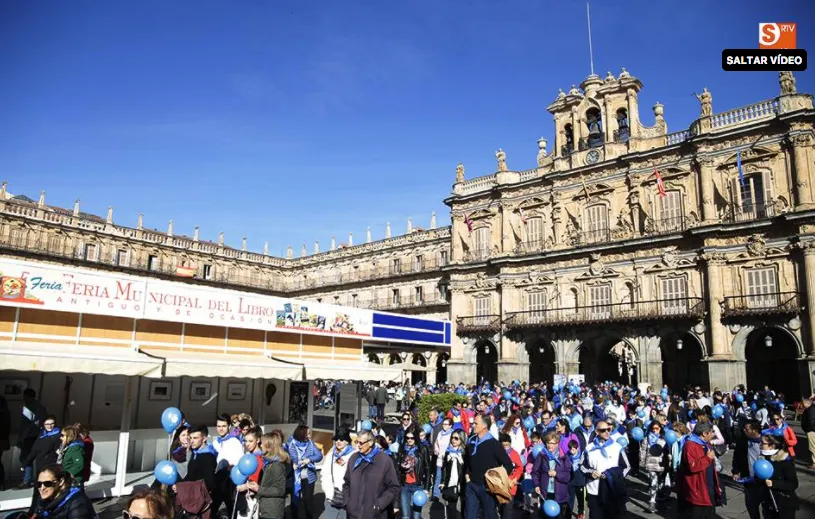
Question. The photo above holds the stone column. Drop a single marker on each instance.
(802, 166)
(633, 112)
(432, 362)
(809, 274)
(708, 189)
(718, 333)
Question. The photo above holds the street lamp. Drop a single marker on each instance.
(443, 363)
(541, 348)
(679, 344)
(768, 341)
(403, 355)
(486, 348)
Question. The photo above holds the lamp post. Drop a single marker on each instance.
(679, 344)
(768, 341)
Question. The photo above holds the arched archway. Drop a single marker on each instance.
(417, 376)
(771, 354)
(441, 369)
(682, 362)
(486, 362)
(609, 358)
(542, 362)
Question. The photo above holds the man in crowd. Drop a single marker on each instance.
(606, 466)
(548, 422)
(33, 415)
(435, 422)
(371, 485)
(484, 452)
(370, 397)
(748, 450)
(698, 483)
(203, 459)
(381, 398)
(229, 449)
(406, 425)
(808, 425)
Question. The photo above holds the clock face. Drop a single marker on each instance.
(592, 157)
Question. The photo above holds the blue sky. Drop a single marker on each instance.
(291, 121)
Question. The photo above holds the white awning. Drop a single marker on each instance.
(353, 371)
(182, 364)
(67, 358)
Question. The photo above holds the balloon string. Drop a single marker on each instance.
(773, 498)
(235, 503)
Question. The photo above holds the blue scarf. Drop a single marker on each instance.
(552, 456)
(602, 446)
(446, 433)
(476, 441)
(697, 440)
(411, 451)
(652, 438)
(574, 458)
(77, 443)
(301, 448)
(454, 411)
(437, 422)
(453, 450)
(345, 451)
(206, 449)
(587, 431)
(46, 434)
(71, 493)
(367, 458)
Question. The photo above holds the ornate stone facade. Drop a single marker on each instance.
(628, 252)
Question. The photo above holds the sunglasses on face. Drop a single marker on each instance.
(49, 424)
(410, 438)
(405, 419)
(603, 430)
(47, 484)
(127, 515)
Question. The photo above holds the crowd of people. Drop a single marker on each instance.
(504, 450)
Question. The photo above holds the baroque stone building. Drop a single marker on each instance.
(629, 253)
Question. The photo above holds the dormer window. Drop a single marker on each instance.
(568, 147)
(623, 132)
(595, 126)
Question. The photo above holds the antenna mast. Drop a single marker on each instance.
(591, 53)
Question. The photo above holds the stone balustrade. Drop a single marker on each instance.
(754, 112)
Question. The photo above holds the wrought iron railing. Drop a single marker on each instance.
(477, 255)
(666, 225)
(750, 212)
(407, 302)
(530, 247)
(762, 304)
(478, 323)
(680, 308)
(592, 236)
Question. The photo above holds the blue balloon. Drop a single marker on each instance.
(739, 398)
(623, 441)
(718, 411)
(170, 419)
(527, 486)
(529, 423)
(393, 447)
(641, 413)
(753, 406)
(670, 437)
(778, 432)
(515, 400)
(637, 433)
(507, 395)
(166, 473)
(537, 449)
(427, 428)
(763, 469)
(238, 477)
(551, 508)
(367, 425)
(248, 464)
(419, 498)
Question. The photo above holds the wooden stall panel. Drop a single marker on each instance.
(60, 326)
(281, 341)
(200, 335)
(316, 344)
(242, 338)
(7, 319)
(347, 346)
(158, 331)
(115, 329)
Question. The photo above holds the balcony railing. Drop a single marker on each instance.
(530, 247)
(366, 274)
(580, 237)
(478, 323)
(682, 308)
(778, 303)
(405, 302)
(750, 212)
(477, 255)
(666, 225)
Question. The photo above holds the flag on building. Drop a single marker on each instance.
(660, 183)
(468, 223)
(185, 272)
(523, 216)
(738, 166)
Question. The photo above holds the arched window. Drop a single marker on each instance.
(623, 132)
(568, 146)
(595, 126)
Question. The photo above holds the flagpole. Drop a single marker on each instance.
(591, 53)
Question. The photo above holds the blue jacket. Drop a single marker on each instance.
(311, 452)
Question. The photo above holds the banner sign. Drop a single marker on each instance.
(66, 289)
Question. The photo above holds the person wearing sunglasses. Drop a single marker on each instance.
(413, 465)
(56, 497)
(779, 498)
(654, 458)
(451, 483)
(149, 504)
(778, 427)
(605, 460)
(371, 484)
(71, 454)
(405, 425)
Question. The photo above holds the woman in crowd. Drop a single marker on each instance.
(271, 491)
(564, 429)
(57, 497)
(180, 449)
(552, 473)
(777, 424)
(779, 499)
(247, 503)
(87, 446)
(332, 475)
(514, 477)
(304, 458)
(654, 457)
(44, 450)
(517, 435)
(452, 474)
(577, 485)
(439, 449)
(149, 504)
(413, 469)
(71, 454)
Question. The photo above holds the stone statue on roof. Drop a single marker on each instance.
(787, 82)
(459, 173)
(706, 100)
(502, 159)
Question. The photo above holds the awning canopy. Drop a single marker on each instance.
(353, 371)
(66, 358)
(183, 364)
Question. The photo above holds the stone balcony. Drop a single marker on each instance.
(478, 323)
(777, 303)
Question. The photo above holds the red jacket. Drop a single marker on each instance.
(692, 483)
(462, 418)
(87, 445)
(517, 471)
(790, 438)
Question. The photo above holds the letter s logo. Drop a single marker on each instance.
(768, 35)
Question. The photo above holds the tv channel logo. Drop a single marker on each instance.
(777, 35)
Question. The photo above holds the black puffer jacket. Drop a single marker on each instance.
(71, 504)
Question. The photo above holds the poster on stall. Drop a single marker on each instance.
(559, 380)
(320, 317)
